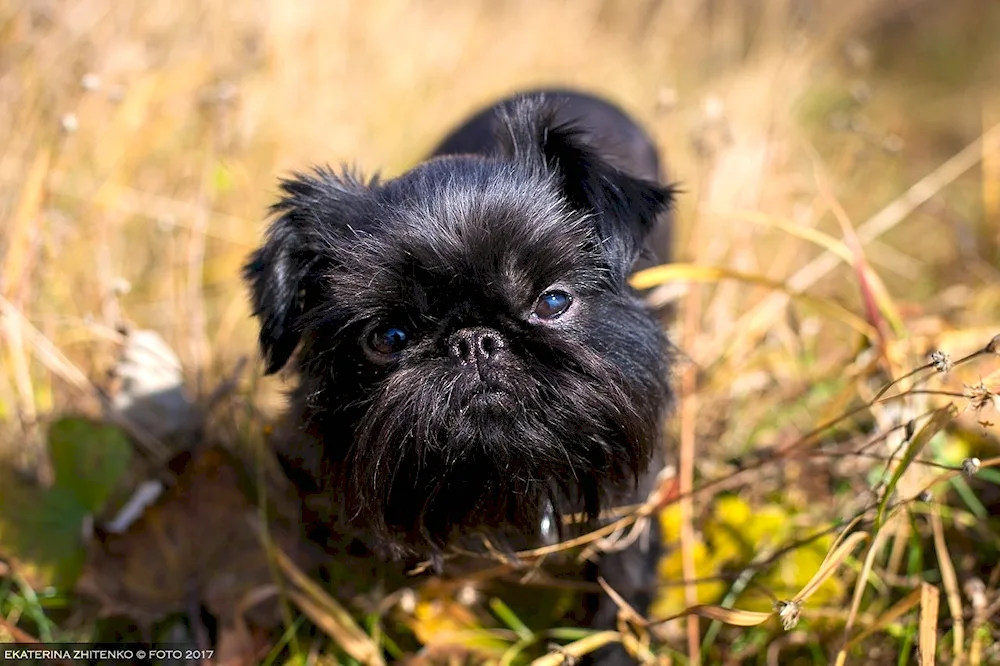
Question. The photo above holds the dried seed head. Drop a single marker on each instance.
(69, 123)
(975, 590)
(979, 396)
(408, 601)
(467, 595)
(994, 345)
(714, 108)
(788, 613)
(120, 286)
(568, 659)
(941, 361)
(90, 81)
(970, 467)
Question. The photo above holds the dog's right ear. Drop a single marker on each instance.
(625, 208)
(284, 274)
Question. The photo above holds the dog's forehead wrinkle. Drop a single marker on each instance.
(478, 223)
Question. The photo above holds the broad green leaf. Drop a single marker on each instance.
(89, 459)
(42, 530)
(42, 527)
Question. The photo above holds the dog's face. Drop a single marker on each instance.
(470, 355)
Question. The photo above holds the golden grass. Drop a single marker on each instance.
(841, 156)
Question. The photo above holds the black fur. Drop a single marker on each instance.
(491, 418)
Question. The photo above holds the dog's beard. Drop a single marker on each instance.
(440, 454)
(412, 452)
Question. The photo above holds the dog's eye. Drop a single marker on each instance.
(551, 304)
(389, 340)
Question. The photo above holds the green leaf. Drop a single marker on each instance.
(941, 418)
(88, 459)
(970, 498)
(42, 530)
(989, 474)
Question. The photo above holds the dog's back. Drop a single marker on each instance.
(606, 126)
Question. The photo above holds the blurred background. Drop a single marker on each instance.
(847, 151)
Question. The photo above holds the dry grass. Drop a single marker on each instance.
(841, 220)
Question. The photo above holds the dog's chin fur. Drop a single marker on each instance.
(416, 452)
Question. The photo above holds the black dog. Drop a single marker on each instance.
(472, 362)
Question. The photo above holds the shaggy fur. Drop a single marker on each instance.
(491, 421)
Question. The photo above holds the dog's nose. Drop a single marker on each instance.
(475, 345)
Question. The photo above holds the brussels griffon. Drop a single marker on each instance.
(472, 364)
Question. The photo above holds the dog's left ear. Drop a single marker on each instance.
(627, 208)
(285, 273)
